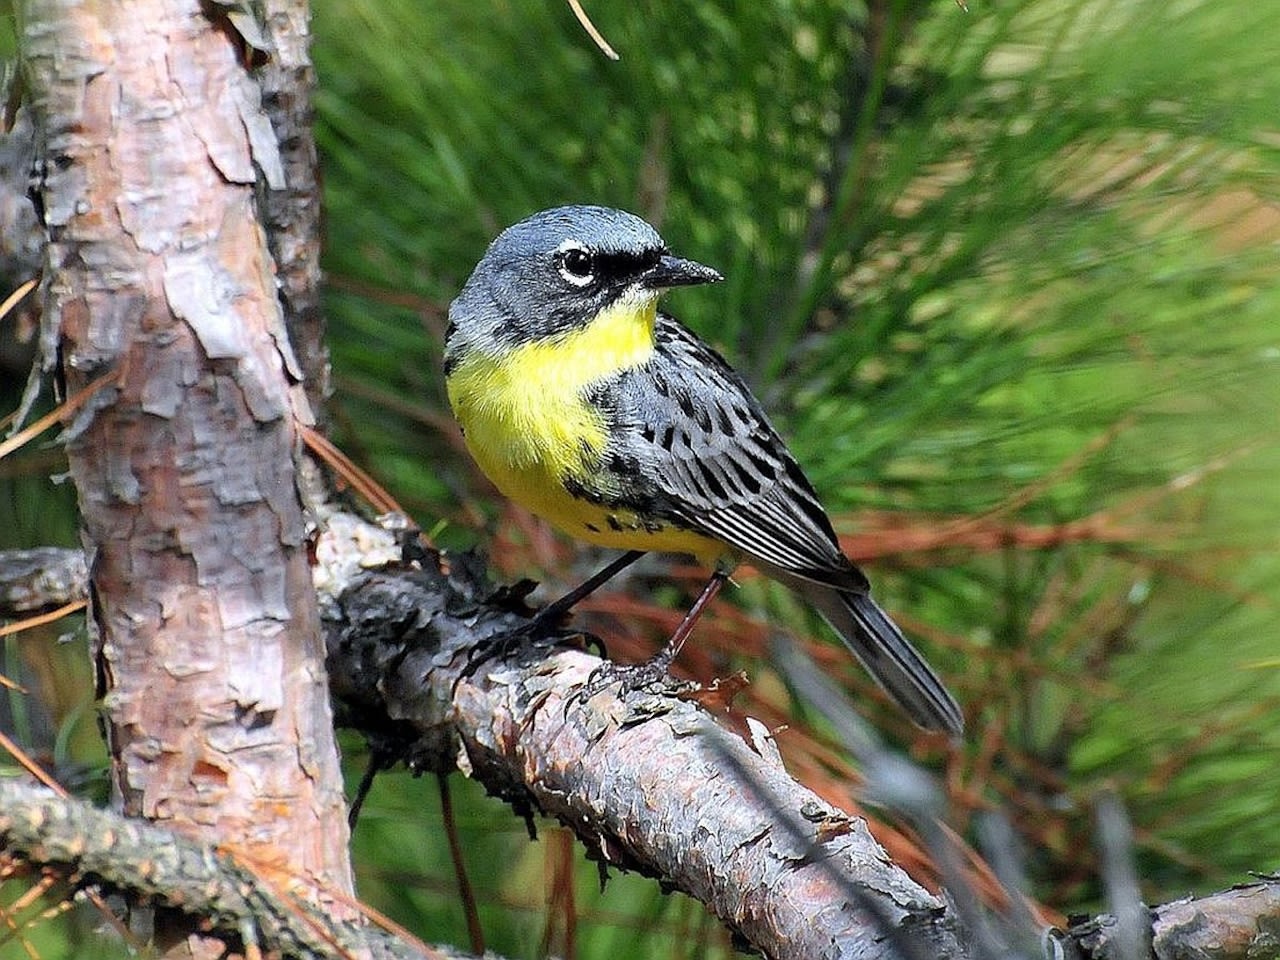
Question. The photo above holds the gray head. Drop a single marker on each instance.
(556, 270)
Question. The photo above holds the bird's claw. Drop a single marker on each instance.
(652, 676)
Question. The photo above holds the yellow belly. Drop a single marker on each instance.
(544, 494)
(529, 429)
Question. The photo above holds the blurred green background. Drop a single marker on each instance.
(1006, 278)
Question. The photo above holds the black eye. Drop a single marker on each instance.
(577, 265)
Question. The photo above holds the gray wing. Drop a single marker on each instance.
(707, 458)
(692, 445)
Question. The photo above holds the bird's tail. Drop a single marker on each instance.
(887, 655)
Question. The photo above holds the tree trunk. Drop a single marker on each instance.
(151, 140)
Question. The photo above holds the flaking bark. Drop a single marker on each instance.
(292, 210)
(151, 141)
(646, 779)
(233, 900)
(398, 642)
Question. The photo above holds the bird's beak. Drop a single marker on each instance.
(673, 272)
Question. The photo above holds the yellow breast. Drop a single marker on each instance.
(529, 427)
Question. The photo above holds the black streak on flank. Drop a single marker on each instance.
(762, 465)
(576, 489)
(623, 465)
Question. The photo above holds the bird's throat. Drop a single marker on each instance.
(528, 409)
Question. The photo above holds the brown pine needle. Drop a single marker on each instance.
(38, 620)
(386, 923)
(30, 765)
(15, 298)
(45, 778)
(10, 302)
(268, 875)
(55, 911)
(41, 619)
(62, 412)
(592, 32)
(10, 914)
(467, 895)
(38, 889)
(372, 491)
(10, 684)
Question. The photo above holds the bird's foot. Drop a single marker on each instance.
(501, 646)
(544, 630)
(651, 676)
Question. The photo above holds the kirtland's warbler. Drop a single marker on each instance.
(584, 403)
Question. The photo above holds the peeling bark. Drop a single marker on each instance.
(21, 250)
(151, 141)
(21, 236)
(234, 901)
(628, 775)
(1243, 923)
(646, 779)
(293, 213)
(39, 579)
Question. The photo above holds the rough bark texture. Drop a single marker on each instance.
(675, 808)
(646, 778)
(239, 904)
(1243, 923)
(292, 214)
(151, 140)
(21, 248)
(42, 578)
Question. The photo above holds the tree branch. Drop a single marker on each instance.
(89, 847)
(641, 778)
(42, 578)
(1236, 924)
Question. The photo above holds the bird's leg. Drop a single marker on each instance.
(553, 611)
(672, 650)
(656, 671)
(542, 623)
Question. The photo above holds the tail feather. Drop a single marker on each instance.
(888, 656)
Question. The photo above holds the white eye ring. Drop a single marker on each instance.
(575, 262)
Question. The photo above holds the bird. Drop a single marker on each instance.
(607, 417)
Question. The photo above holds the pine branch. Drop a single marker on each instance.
(646, 780)
(42, 578)
(94, 848)
(1235, 924)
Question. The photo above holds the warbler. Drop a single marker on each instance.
(583, 402)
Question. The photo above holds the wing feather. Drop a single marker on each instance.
(693, 447)
(709, 460)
